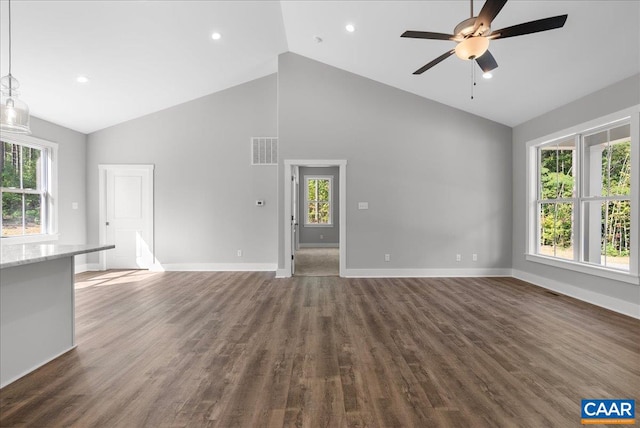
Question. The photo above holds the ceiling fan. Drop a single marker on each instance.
(473, 35)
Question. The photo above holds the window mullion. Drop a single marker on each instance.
(43, 185)
(23, 197)
(316, 201)
(559, 201)
(21, 181)
(577, 206)
(24, 214)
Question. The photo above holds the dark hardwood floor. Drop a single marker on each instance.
(199, 349)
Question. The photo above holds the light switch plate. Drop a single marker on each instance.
(363, 205)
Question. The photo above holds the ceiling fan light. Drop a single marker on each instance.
(472, 48)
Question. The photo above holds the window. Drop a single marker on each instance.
(26, 184)
(318, 193)
(556, 199)
(582, 204)
(607, 197)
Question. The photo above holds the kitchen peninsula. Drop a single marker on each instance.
(36, 305)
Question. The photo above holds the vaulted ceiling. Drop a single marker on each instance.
(144, 56)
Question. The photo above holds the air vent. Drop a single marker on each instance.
(264, 151)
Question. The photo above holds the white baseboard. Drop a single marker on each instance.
(204, 267)
(627, 308)
(86, 267)
(607, 302)
(79, 268)
(424, 273)
(220, 267)
(321, 245)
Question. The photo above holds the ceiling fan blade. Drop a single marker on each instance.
(434, 62)
(530, 27)
(488, 12)
(487, 62)
(427, 35)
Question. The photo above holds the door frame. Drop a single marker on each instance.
(289, 164)
(102, 207)
(295, 213)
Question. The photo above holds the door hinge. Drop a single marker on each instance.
(291, 218)
(291, 256)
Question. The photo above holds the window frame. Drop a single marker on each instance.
(307, 201)
(574, 200)
(631, 116)
(49, 188)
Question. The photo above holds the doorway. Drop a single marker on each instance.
(126, 216)
(315, 228)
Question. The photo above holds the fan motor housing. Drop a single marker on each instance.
(465, 28)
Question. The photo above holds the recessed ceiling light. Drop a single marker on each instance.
(82, 79)
(487, 75)
(350, 28)
(216, 36)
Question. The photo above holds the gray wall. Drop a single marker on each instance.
(609, 100)
(205, 186)
(325, 235)
(437, 180)
(72, 224)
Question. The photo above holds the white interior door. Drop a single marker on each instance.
(128, 216)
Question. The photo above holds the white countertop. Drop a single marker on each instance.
(23, 254)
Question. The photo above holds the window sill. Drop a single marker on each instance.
(584, 268)
(33, 239)
(317, 225)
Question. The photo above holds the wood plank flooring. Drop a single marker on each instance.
(197, 349)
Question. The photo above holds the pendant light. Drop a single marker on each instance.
(14, 113)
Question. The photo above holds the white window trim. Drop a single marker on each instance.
(632, 277)
(52, 200)
(306, 199)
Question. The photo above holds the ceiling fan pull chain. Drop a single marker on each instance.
(473, 78)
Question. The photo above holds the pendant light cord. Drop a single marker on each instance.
(9, 39)
(10, 77)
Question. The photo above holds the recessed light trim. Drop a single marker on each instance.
(82, 79)
(216, 36)
(350, 28)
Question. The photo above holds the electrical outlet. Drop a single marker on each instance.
(387, 257)
(321, 236)
(475, 257)
(458, 257)
(239, 253)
